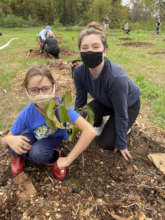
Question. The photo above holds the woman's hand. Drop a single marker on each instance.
(125, 153)
(18, 143)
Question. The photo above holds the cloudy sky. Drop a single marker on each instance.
(124, 2)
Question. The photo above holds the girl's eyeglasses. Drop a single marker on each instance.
(36, 91)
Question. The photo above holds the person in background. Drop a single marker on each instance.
(50, 45)
(114, 94)
(126, 28)
(158, 26)
(31, 138)
(42, 36)
(106, 22)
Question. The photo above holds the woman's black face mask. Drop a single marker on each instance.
(91, 58)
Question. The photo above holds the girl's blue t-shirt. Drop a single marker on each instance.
(30, 119)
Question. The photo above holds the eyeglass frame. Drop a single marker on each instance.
(39, 89)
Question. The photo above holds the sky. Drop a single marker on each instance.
(125, 2)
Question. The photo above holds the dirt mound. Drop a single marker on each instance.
(68, 52)
(158, 52)
(137, 44)
(36, 53)
(61, 72)
(99, 185)
(125, 38)
(63, 52)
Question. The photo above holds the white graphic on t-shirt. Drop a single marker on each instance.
(42, 132)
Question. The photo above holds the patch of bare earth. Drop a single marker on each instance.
(137, 44)
(125, 38)
(161, 52)
(100, 184)
(63, 52)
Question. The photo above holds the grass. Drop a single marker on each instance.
(146, 69)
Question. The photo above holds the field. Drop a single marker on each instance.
(99, 184)
(143, 62)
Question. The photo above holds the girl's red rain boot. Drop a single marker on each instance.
(17, 165)
(58, 173)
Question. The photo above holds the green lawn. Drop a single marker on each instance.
(146, 69)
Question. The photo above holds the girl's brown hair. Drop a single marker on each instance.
(40, 70)
(93, 30)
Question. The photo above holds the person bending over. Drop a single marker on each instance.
(42, 36)
(50, 45)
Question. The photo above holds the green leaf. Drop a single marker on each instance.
(63, 114)
(50, 108)
(50, 117)
(67, 100)
(75, 130)
(50, 123)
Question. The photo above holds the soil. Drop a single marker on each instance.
(125, 38)
(100, 184)
(137, 44)
(158, 52)
(63, 52)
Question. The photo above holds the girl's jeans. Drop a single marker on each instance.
(42, 151)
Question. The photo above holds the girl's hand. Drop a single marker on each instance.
(125, 153)
(18, 143)
(62, 162)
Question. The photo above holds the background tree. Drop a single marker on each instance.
(140, 11)
(80, 12)
(83, 12)
(99, 9)
(119, 13)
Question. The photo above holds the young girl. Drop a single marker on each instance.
(114, 93)
(32, 139)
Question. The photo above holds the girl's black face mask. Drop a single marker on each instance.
(91, 58)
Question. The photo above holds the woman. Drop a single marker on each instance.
(158, 26)
(31, 138)
(50, 45)
(114, 93)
